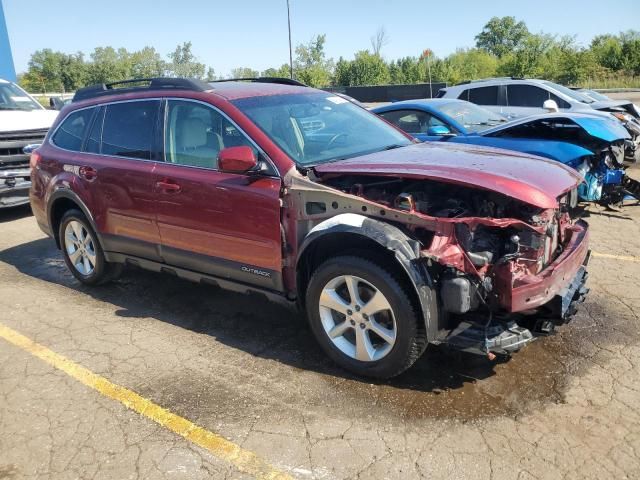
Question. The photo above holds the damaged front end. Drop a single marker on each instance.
(494, 262)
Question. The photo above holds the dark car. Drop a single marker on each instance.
(388, 245)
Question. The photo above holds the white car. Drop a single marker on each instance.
(23, 124)
(522, 97)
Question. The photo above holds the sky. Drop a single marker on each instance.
(253, 33)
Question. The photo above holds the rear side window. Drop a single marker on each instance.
(481, 95)
(129, 129)
(73, 129)
(411, 121)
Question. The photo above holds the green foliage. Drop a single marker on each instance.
(244, 72)
(311, 66)
(184, 63)
(365, 69)
(505, 47)
(501, 36)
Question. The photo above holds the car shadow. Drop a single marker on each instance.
(245, 322)
(14, 213)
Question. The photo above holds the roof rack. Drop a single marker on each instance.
(490, 79)
(137, 84)
(281, 80)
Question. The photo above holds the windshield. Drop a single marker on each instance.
(595, 95)
(570, 93)
(473, 117)
(13, 97)
(315, 128)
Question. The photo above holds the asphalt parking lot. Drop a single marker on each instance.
(250, 395)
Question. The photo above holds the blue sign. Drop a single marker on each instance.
(7, 70)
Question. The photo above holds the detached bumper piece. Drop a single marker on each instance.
(14, 187)
(631, 187)
(565, 305)
(498, 338)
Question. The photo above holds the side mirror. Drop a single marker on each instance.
(56, 103)
(439, 131)
(550, 106)
(237, 159)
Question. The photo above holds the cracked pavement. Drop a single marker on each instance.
(566, 407)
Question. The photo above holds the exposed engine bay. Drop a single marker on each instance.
(435, 199)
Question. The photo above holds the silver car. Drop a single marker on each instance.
(515, 97)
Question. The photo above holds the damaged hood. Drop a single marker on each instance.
(530, 179)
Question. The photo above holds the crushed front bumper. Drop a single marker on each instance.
(14, 187)
(534, 291)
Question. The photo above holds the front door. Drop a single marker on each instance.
(223, 224)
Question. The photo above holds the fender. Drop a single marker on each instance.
(69, 195)
(405, 249)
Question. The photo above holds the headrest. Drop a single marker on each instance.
(193, 133)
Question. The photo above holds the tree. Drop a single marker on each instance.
(528, 59)
(282, 72)
(211, 75)
(365, 69)
(244, 72)
(501, 36)
(379, 40)
(147, 63)
(108, 65)
(54, 71)
(184, 63)
(311, 67)
(468, 64)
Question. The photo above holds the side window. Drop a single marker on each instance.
(129, 128)
(526, 96)
(195, 134)
(411, 121)
(483, 95)
(95, 135)
(561, 103)
(73, 129)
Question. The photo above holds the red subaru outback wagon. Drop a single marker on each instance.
(274, 187)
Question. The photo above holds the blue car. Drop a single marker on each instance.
(594, 146)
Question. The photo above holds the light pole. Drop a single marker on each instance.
(290, 50)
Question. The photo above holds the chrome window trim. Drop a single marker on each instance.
(163, 101)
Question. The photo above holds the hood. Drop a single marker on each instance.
(604, 104)
(604, 127)
(530, 179)
(17, 120)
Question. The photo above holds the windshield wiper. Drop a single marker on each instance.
(392, 147)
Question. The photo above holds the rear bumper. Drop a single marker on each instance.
(14, 187)
(533, 291)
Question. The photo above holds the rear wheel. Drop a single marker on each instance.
(363, 318)
(82, 252)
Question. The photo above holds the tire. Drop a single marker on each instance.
(82, 251)
(356, 345)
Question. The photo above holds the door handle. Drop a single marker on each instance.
(168, 186)
(88, 173)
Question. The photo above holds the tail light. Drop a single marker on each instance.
(34, 160)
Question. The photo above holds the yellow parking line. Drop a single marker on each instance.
(244, 460)
(624, 258)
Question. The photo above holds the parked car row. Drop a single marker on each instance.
(592, 145)
(519, 97)
(300, 195)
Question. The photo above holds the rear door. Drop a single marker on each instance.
(223, 224)
(523, 100)
(121, 150)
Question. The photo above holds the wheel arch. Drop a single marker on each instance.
(62, 201)
(348, 233)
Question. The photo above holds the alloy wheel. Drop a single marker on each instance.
(357, 318)
(80, 247)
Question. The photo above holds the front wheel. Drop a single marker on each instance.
(363, 317)
(82, 252)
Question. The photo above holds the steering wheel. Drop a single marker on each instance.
(334, 138)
